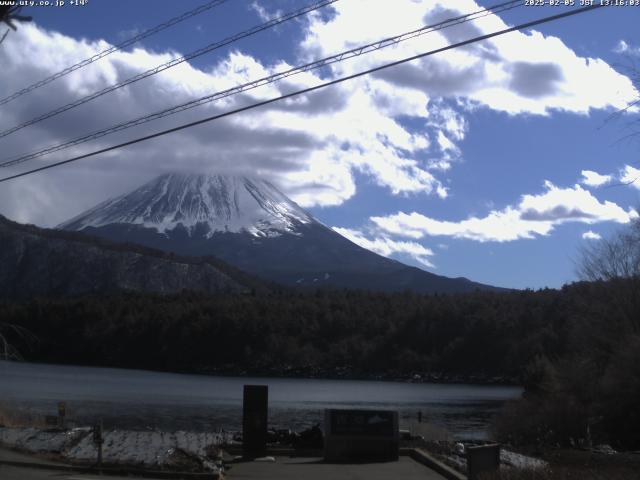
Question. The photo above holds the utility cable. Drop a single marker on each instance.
(310, 89)
(115, 48)
(265, 81)
(172, 63)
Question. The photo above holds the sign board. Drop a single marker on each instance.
(51, 420)
(482, 459)
(361, 435)
(362, 422)
(254, 420)
(97, 433)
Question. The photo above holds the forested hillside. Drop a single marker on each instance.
(497, 334)
(576, 350)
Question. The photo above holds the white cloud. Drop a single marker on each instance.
(385, 246)
(534, 215)
(626, 175)
(313, 146)
(626, 48)
(631, 176)
(594, 179)
(515, 73)
(263, 13)
(591, 235)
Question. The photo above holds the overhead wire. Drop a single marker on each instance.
(310, 89)
(364, 49)
(147, 33)
(172, 63)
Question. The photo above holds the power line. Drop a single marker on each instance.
(310, 89)
(267, 80)
(115, 48)
(160, 68)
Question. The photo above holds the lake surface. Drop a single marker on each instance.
(136, 399)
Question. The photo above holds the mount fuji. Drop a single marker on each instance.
(250, 224)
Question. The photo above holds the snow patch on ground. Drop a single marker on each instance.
(518, 460)
(39, 441)
(152, 449)
(456, 458)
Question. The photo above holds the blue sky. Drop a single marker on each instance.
(469, 164)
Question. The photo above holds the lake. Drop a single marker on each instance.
(136, 399)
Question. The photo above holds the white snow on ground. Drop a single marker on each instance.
(151, 449)
(39, 441)
(146, 448)
(154, 449)
(511, 459)
(517, 460)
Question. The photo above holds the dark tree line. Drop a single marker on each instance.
(490, 333)
(576, 350)
(590, 392)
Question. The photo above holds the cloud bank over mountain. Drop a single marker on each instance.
(401, 129)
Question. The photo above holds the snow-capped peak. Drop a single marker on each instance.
(219, 203)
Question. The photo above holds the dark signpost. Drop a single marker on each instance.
(62, 411)
(98, 440)
(371, 435)
(482, 459)
(254, 420)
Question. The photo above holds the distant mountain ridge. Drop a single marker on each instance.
(36, 261)
(250, 224)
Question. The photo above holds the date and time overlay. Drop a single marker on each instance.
(527, 3)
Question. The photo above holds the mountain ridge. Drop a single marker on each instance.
(38, 261)
(250, 224)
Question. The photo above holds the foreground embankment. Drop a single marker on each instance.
(181, 450)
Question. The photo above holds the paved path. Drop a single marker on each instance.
(285, 468)
(7, 455)
(18, 473)
(313, 468)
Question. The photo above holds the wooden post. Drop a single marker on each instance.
(98, 440)
(254, 420)
(62, 411)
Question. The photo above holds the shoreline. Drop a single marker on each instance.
(315, 373)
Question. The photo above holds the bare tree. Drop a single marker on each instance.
(10, 15)
(612, 258)
(631, 69)
(7, 351)
(618, 256)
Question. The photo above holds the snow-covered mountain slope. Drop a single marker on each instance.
(214, 203)
(251, 225)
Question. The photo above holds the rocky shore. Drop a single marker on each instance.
(348, 372)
